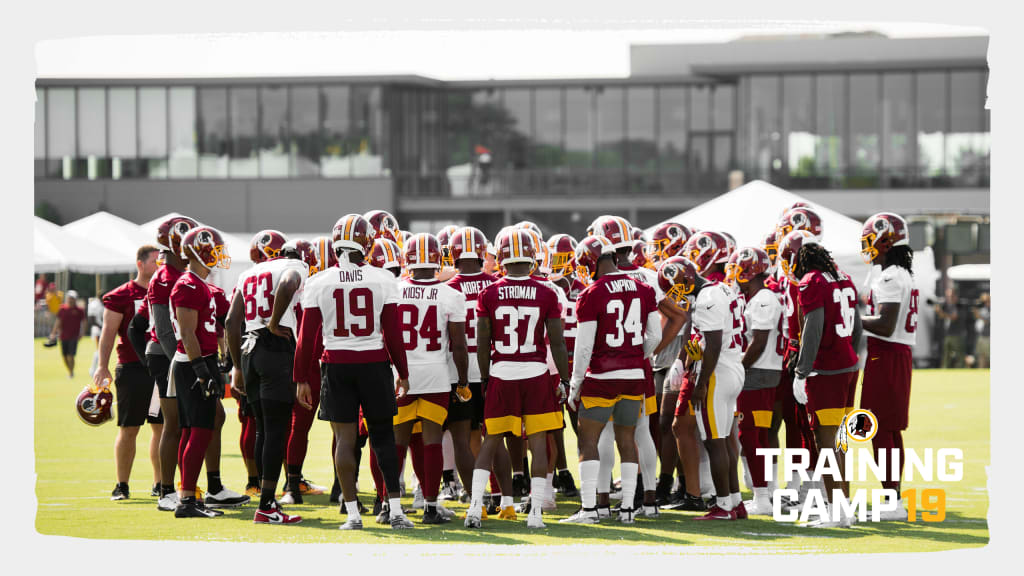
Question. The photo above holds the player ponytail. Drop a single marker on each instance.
(901, 256)
(814, 256)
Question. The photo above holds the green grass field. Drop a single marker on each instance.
(75, 474)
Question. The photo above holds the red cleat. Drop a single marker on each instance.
(740, 512)
(274, 515)
(716, 513)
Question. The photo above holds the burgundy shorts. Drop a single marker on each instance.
(520, 406)
(851, 394)
(886, 387)
(683, 406)
(755, 408)
(826, 399)
(432, 407)
(650, 391)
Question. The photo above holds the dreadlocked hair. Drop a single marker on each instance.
(814, 257)
(901, 256)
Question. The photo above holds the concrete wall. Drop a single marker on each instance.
(230, 205)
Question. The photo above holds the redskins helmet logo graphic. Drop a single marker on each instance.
(881, 225)
(673, 232)
(670, 271)
(205, 237)
(747, 254)
(182, 228)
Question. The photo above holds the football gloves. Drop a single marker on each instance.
(693, 350)
(463, 393)
(800, 389)
(208, 383)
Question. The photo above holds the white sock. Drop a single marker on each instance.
(707, 486)
(396, 507)
(736, 499)
(629, 470)
(606, 455)
(447, 451)
(647, 453)
(506, 501)
(550, 487)
(480, 479)
(538, 488)
(748, 481)
(589, 469)
(353, 510)
(762, 496)
(724, 503)
(434, 504)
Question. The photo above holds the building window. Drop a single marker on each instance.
(932, 125)
(865, 120)
(153, 132)
(547, 150)
(304, 137)
(798, 128)
(334, 155)
(214, 135)
(724, 108)
(764, 128)
(61, 134)
(642, 147)
(273, 137)
(122, 133)
(367, 131)
(897, 126)
(579, 129)
(517, 106)
(610, 130)
(830, 127)
(244, 110)
(967, 144)
(184, 160)
(40, 134)
(673, 124)
(92, 162)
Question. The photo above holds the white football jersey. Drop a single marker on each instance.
(649, 277)
(350, 299)
(717, 308)
(258, 287)
(563, 303)
(765, 311)
(425, 307)
(896, 285)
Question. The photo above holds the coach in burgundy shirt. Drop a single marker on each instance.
(69, 325)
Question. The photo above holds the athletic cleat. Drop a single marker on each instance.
(662, 491)
(676, 497)
(417, 499)
(520, 487)
(307, 488)
(352, 524)
(449, 492)
(507, 513)
(252, 491)
(756, 508)
(524, 506)
(119, 493)
(377, 505)
(274, 515)
(400, 522)
(291, 497)
(445, 512)
(627, 515)
(688, 504)
(556, 483)
(582, 516)
(604, 512)
(432, 516)
(473, 519)
(463, 496)
(716, 513)
(335, 497)
(535, 521)
(225, 499)
(494, 505)
(567, 484)
(384, 516)
(548, 506)
(359, 505)
(168, 503)
(188, 508)
(155, 491)
(900, 514)
(740, 512)
(200, 504)
(649, 512)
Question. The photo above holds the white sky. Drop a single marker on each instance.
(441, 54)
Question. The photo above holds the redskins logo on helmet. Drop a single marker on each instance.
(666, 241)
(94, 405)
(170, 233)
(677, 278)
(589, 252)
(800, 218)
(352, 232)
(423, 251)
(746, 264)
(705, 249)
(563, 255)
(383, 225)
(207, 246)
(880, 233)
(385, 254)
(514, 247)
(468, 243)
(266, 245)
(789, 247)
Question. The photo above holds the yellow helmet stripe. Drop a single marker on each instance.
(422, 255)
(387, 248)
(626, 235)
(467, 242)
(347, 233)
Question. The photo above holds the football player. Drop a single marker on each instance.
(447, 262)
(432, 319)
(132, 384)
(195, 374)
(716, 352)
(762, 363)
(892, 328)
(353, 308)
(823, 373)
(618, 327)
(263, 312)
(513, 317)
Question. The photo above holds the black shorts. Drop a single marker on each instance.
(351, 386)
(158, 366)
(472, 410)
(267, 369)
(194, 410)
(69, 347)
(134, 389)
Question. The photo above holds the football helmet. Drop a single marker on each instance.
(616, 229)
(207, 246)
(880, 233)
(303, 250)
(666, 241)
(800, 218)
(563, 255)
(534, 237)
(530, 226)
(385, 254)
(515, 247)
(543, 260)
(468, 243)
(705, 249)
(443, 238)
(677, 278)
(423, 251)
(770, 245)
(383, 225)
(352, 232)
(746, 264)
(266, 245)
(588, 252)
(730, 245)
(789, 247)
(94, 405)
(170, 233)
(323, 255)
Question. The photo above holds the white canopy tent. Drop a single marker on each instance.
(58, 250)
(116, 234)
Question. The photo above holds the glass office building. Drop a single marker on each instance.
(890, 122)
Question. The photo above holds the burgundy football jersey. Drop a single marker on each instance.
(221, 304)
(159, 293)
(518, 309)
(790, 298)
(839, 299)
(470, 286)
(620, 306)
(191, 291)
(125, 300)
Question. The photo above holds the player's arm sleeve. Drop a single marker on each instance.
(393, 339)
(305, 347)
(858, 330)
(585, 334)
(810, 339)
(137, 329)
(164, 329)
